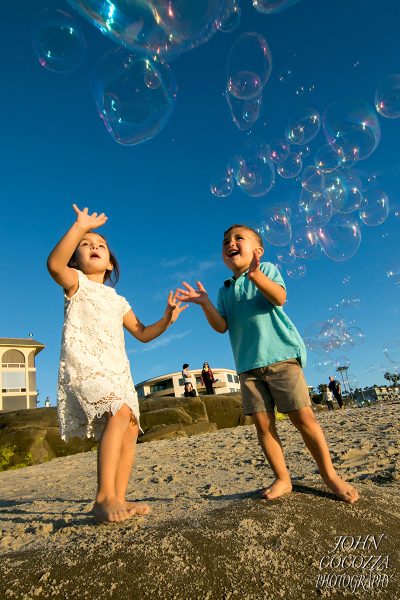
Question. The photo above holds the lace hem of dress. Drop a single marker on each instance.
(92, 428)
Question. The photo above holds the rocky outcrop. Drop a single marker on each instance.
(32, 436)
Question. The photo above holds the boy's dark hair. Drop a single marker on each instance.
(113, 275)
(237, 226)
(185, 366)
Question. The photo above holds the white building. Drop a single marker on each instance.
(18, 373)
(171, 384)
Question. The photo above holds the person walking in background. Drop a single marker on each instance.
(207, 378)
(335, 388)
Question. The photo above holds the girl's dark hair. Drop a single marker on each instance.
(111, 276)
(185, 366)
(206, 363)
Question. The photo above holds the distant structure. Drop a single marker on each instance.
(171, 384)
(18, 373)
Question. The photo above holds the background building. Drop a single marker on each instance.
(18, 373)
(171, 384)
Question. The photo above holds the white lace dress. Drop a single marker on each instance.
(94, 375)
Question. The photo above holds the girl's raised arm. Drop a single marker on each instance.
(57, 262)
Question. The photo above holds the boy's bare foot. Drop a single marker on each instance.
(343, 490)
(277, 489)
(137, 508)
(111, 511)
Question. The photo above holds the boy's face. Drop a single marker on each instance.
(238, 249)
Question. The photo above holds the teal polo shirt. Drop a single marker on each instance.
(261, 334)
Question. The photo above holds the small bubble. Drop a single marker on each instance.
(300, 90)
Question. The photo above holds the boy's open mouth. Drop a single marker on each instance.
(231, 253)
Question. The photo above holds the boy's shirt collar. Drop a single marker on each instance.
(233, 279)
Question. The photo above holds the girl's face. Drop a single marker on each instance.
(92, 254)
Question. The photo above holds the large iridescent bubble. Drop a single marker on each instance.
(154, 27)
(316, 208)
(222, 186)
(57, 41)
(312, 179)
(340, 238)
(270, 7)
(275, 226)
(244, 113)
(387, 97)
(249, 66)
(352, 125)
(304, 242)
(132, 110)
(296, 271)
(328, 158)
(374, 209)
(291, 166)
(303, 128)
(353, 186)
(230, 18)
(256, 175)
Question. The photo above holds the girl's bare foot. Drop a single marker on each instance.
(343, 490)
(111, 511)
(277, 489)
(137, 508)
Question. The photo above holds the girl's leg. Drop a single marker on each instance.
(272, 447)
(124, 467)
(304, 420)
(107, 507)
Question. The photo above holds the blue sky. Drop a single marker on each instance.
(164, 224)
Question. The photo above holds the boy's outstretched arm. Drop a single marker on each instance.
(147, 333)
(200, 296)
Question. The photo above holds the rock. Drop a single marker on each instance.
(198, 428)
(193, 406)
(224, 409)
(160, 432)
(246, 420)
(164, 416)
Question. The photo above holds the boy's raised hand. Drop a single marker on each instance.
(254, 265)
(174, 307)
(87, 221)
(189, 294)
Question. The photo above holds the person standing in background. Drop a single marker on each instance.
(207, 378)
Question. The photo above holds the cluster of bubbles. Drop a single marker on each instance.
(136, 101)
(332, 337)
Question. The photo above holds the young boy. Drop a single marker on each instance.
(269, 354)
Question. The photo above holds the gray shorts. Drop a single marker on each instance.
(281, 384)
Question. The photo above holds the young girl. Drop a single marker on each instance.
(96, 395)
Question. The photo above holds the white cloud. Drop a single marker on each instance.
(174, 262)
(159, 342)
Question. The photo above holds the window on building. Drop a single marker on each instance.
(236, 378)
(140, 392)
(230, 378)
(165, 384)
(180, 381)
(13, 358)
(13, 381)
(232, 390)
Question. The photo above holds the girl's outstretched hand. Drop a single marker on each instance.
(174, 307)
(189, 294)
(87, 221)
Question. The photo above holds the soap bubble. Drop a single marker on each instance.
(393, 273)
(257, 173)
(157, 28)
(275, 227)
(57, 41)
(323, 366)
(352, 125)
(234, 165)
(304, 242)
(304, 151)
(286, 255)
(342, 361)
(249, 66)
(222, 186)
(291, 167)
(312, 179)
(357, 335)
(241, 110)
(371, 368)
(387, 97)
(229, 20)
(279, 150)
(296, 271)
(391, 350)
(328, 158)
(353, 186)
(316, 208)
(352, 381)
(374, 209)
(270, 7)
(336, 189)
(131, 111)
(303, 128)
(340, 238)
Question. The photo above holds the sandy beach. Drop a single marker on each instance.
(210, 534)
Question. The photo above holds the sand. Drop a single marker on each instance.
(210, 534)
